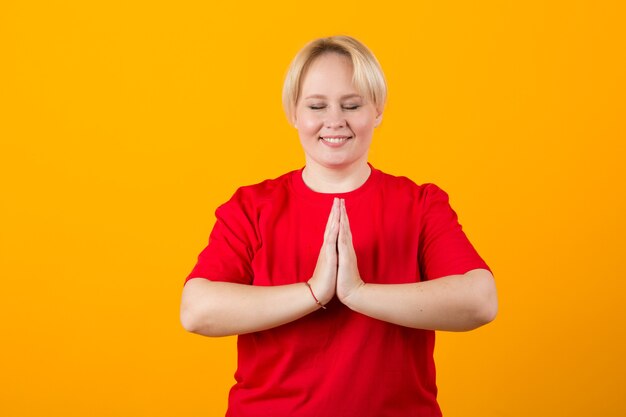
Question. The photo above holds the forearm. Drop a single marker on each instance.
(214, 308)
(454, 303)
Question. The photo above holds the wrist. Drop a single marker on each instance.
(353, 298)
(316, 295)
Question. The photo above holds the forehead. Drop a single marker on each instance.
(329, 73)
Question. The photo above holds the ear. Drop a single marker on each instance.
(379, 119)
(293, 119)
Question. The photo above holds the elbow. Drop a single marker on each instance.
(195, 313)
(188, 318)
(196, 321)
(486, 312)
(485, 307)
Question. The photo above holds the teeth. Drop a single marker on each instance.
(335, 140)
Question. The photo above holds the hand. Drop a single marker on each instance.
(324, 279)
(348, 278)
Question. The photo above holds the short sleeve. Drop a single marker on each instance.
(229, 253)
(444, 247)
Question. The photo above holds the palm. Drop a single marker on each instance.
(348, 277)
(324, 279)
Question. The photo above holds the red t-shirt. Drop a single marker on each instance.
(335, 362)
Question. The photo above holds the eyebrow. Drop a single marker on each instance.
(342, 97)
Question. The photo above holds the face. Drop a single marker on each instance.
(334, 121)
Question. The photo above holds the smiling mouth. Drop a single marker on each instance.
(335, 139)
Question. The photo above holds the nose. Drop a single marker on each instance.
(335, 118)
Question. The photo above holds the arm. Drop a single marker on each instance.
(213, 308)
(455, 303)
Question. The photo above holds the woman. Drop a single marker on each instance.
(335, 276)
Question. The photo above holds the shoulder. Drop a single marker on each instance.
(253, 196)
(404, 186)
(266, 189)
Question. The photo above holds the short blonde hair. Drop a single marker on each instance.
(368, 76)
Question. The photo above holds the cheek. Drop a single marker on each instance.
(363, 125)
(308, 125)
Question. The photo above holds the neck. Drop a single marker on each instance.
(322, 179)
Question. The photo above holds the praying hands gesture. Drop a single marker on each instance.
(456, 302)
(336, 272)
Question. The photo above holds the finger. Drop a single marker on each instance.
(332, 220)
(334, 229)
(344, 217)
(345, 223)
(344, 236)
(346, 245)
(330, 238)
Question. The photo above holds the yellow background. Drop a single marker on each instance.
(124, 124)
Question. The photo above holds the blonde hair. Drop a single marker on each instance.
(368, 77)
